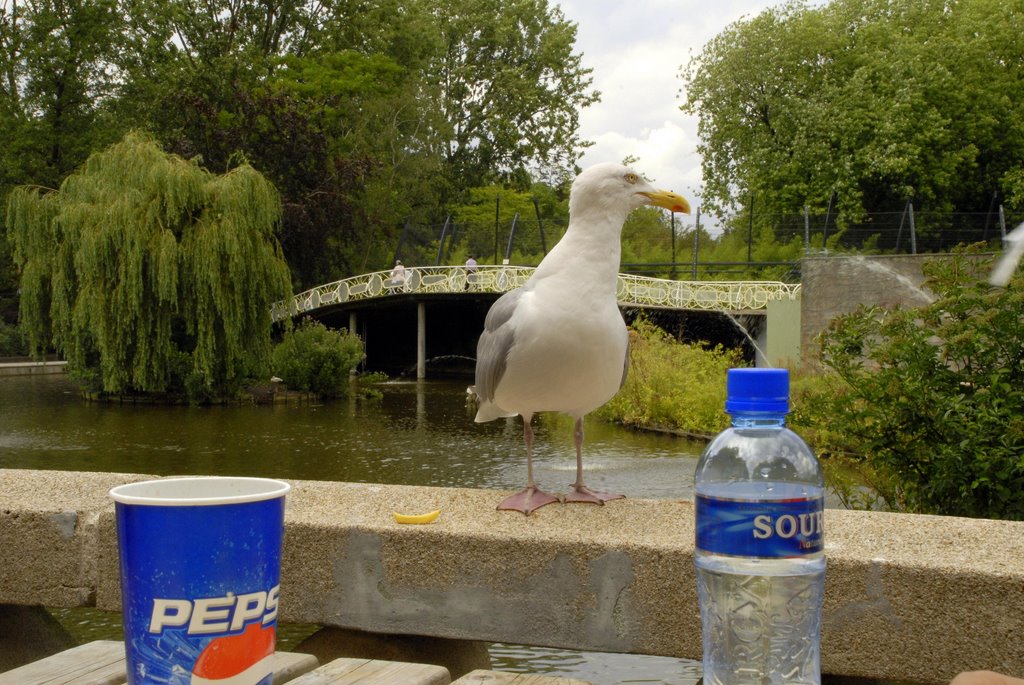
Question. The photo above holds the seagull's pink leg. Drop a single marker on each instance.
(532, 497)
(580, 492)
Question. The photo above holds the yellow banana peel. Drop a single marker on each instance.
(417, 518)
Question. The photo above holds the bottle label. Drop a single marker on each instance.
(765, 528)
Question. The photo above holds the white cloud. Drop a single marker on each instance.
(637, 50)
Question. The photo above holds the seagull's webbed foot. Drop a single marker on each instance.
(527, 500)
(581, 493)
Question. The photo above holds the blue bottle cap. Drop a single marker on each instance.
(757, 390)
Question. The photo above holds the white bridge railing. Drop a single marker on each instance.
(639, 291)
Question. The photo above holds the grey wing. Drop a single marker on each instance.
(625, 365)
(494, 344)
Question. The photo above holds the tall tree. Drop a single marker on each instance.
(879, 101)
(512, 88)
(150, 274)
(55, 86)
(361, 114)
(55, 83)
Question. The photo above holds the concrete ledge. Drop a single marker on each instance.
(31, 368)
(908, 597)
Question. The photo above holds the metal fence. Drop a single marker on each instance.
(437, 244)
(908, 231)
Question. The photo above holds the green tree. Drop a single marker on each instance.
(476, 216)
(304, 93)
(879, 101)
(647, 238)
(150, 274)
(512, 88)
(360, 115)
(55, 88)
(931, 398)
(55, 85)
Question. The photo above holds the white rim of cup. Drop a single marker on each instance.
(271, 488)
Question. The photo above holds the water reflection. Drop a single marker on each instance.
(416, 434)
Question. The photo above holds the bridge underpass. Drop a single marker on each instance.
(429, 323)
(389, 331)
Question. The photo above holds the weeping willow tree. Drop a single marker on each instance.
(150, 274)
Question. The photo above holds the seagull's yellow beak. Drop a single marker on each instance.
(668, 200)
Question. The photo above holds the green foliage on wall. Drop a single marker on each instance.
(930, 401)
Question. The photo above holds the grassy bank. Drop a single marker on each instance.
(671, 385)
(680, 388)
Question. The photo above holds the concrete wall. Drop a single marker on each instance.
(28, 368)
(915, 598)
(782, 334)
(838, 284)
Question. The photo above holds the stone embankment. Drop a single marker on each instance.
(912, 598)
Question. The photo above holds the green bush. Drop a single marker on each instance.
(671, 384)
(857, 483)
(12, 341)
(931, 400)
(314, 358)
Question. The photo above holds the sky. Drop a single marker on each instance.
(637, 49)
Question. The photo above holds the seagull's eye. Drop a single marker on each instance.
(631, 179)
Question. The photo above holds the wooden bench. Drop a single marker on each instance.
(480, 677)
(103, 663)
(371, 671)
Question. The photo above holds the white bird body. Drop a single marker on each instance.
(559, 343)
(566, 374)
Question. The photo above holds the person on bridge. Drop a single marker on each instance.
(398, 274)
(558, 343)
(470, 272)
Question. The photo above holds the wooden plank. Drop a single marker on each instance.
(375, 672)
(103, 663)
(481, 677)
(94, 663)
(290, 665)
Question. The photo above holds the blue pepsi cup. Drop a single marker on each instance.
(200, 578)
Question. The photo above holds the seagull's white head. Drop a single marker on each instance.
(615, 189)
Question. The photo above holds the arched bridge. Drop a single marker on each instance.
(382, 311)
(634, 291)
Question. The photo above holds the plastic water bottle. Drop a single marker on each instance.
(760, 541)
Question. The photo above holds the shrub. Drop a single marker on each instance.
(12, 340)
(314, 358)
(671, 384)
(931, 400)
(857, 483)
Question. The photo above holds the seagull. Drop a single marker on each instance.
(1007, 264)
(558, 342)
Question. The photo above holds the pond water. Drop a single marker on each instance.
(417, 433)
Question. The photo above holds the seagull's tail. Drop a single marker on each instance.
(488, 411)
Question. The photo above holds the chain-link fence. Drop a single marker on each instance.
(525, 241)
(906, 232)
(520, 240)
